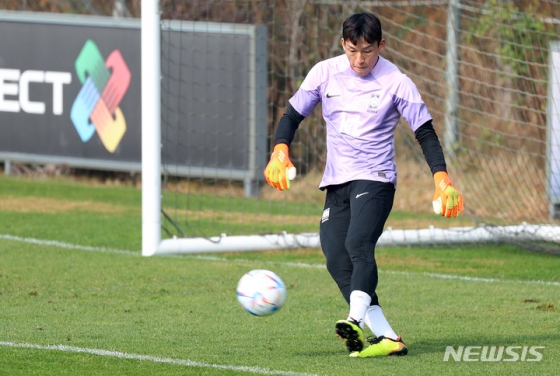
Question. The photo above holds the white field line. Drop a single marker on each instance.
(426, 274)
(54, 243)
(295, 264)
(156, 359)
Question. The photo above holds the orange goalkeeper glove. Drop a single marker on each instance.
(280, 170)
(447, 200)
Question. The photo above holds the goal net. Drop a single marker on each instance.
(217, 76)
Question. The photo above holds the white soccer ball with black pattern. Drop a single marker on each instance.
(261, 292)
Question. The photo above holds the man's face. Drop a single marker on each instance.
(362, 56)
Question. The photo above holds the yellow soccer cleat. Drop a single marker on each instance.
(351, 333)
(382, 346)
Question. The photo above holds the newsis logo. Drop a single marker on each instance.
(493, 353)
(96, 108)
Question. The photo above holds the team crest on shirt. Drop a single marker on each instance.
(373, 103)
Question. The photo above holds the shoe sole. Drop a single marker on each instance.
(401, 352)
(346, 332)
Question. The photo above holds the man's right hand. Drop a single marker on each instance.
(280, 170)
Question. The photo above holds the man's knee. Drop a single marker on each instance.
(359, 250)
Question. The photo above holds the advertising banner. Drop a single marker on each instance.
(70, 93)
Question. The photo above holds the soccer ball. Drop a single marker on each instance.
(261, 292)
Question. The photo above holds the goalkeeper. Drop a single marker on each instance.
(363, 96)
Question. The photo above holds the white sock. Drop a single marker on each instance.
(359, 304)
(378, 324)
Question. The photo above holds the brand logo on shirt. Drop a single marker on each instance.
(373, 103)
(332, 95)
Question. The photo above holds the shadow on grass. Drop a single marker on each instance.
(438, 346)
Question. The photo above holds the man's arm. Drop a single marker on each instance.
(431, 147)
(287, 126)
(280, 170)
(447, 200)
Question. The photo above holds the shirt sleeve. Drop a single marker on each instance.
(287, 126)
(308, 94)
(410, 105)
(431, 147)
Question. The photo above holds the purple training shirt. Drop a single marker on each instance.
(361, 114)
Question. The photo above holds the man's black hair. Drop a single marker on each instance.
(362, 25)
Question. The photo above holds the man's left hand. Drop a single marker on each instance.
(447, 200)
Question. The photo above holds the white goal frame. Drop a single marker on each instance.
(151, 126)
(151, 164)
(152, 242)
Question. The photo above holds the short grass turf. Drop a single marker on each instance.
(182, 314)
(186, 308)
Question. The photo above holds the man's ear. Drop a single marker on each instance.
(342, 42)
(382, 45)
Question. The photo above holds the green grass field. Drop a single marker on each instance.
(102, 309)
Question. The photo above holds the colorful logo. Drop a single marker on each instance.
(96, 107)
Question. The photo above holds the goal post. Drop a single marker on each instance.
(553, 131)
(211, 102)
(151, 126)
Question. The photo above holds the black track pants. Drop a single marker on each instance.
(352, 222)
